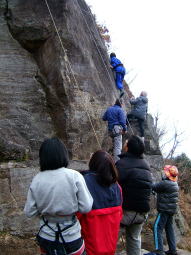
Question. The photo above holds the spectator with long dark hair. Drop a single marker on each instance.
(55, 195)
(100, 226)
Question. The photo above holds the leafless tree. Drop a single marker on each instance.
(162, 133)
(160, 130)
(176, 142)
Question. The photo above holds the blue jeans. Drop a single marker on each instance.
(164, 221)
(119, 80)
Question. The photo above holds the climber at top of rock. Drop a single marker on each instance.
(119, 72)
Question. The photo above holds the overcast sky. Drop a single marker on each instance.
(152, 38)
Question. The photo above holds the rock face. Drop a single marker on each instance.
(16, 231)
(50, 88)
(24, 120)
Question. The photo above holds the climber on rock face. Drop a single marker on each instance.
(116, 126)
(139, 111)
(119, 71)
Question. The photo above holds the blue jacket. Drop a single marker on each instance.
(117, 65)
(103, 197)
(115, 116)
(100, 227)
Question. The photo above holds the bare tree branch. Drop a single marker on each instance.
(176, 143)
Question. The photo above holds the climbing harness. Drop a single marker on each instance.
(115, 132)
(58, 246)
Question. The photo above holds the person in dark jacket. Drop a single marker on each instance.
(116, 126)
(136, 181)
(167, 199)
(106, 211)
(119, 70)
(139, 111)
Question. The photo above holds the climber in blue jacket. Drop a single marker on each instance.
(119, 70)
(115, 116)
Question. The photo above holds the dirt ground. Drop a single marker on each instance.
(147, 242)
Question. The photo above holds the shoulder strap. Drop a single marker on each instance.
(120, 192)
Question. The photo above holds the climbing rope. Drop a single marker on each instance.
(72, 72)
(95, 28)
(130, 127)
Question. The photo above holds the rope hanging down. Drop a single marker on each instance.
(130, 126)
(90, 14)
(72, 72)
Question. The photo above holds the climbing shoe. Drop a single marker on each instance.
(121, 94)
(151, 253)
(171, 253)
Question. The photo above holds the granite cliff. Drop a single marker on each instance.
(46, 89)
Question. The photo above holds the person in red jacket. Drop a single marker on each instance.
(100, 226)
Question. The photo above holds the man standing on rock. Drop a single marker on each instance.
(136, 182)
(116, 126)
(139, 111)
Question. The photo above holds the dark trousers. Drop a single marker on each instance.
(140, 123)
(164, 221)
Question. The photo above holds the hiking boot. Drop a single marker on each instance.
(150, 253)
(156, 252)
(171, 252)
(121, 94)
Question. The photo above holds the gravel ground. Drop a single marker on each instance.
(180, 252)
